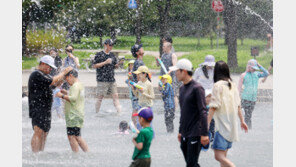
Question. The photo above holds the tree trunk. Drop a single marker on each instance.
(211, 38)
(101, 39)
(139, 22)
(163, 21)
(230, 11)
(24, 39)
(113, 34)
(226, 20)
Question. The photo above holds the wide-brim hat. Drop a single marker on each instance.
(48, 60)
(142, 69)
(253, 63)
(209, 61)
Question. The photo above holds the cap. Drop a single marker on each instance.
(109, 42)
(208, 92)
(142, 69)
(209, 61)
(135, 49)
(253, 63)
(166, 76)
(183, 64)
(145, 112)
(131, 62)
(48, 60)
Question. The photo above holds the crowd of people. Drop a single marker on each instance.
(210, 103)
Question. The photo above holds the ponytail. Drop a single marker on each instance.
(205, 71)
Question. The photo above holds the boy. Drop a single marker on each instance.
(142, 142)
(74, 111)
(168, 100)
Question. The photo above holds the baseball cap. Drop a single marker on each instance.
(135, 49)
(142, 69)
(145, 112)
(109, 42)
(48, 60)
(209, 61)
(253, 63)
(166, 76)
(183, 64)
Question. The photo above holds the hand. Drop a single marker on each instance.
(244, 126)
(70, 55)
(68, 69)
(204, 140)
(108, 61)
(59, 94)
(179, 137)
(263, 80)
(63, 91)
(141, 90)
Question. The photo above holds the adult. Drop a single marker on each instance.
(70, 60)
(40, 100)
(138, 53)
(226, 107)
(58, 62)
(193, 130)
(170, 59)
(204, 74)
(105, 63)
(170, 40)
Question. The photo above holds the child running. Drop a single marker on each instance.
(74, 111)
(168, 100)
(225, 107)
(248, 86)
(57, 102)
(141, 156)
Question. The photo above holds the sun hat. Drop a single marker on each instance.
(145, 112)
(183, 64)
(142, 69)
(166, 76)
(209, 61)
(135, 49)
(253, 63)
(48, 60)
(208, 92)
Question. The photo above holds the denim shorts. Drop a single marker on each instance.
(220, 143)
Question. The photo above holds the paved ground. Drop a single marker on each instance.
(109, 150)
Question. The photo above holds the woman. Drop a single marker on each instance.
(225, 107)
(204, 74)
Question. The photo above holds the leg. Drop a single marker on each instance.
(99, 102)
(193, 150)
(248, 112)
(116, 102)
(184, 147)
(82, 143)
(36, 141)
(73, 143)
(43, 140)
(220, 155)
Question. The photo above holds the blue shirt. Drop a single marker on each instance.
(57, 102)
(168, 96)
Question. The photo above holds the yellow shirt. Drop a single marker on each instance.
(145, 98)
(226, 101)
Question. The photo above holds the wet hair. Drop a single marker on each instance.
(168, 39)
(205, 71)
(221, 72)
(73, 72)
(123, 126)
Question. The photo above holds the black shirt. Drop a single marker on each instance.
(106, 72)
(137, 64)
(193, 120)
(40, 93)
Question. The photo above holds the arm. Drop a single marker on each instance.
(139, 146)
(151, 92)
(63, 96)
(99, 65)
(264, 72)
(174, 60)
(60, 76)
(210, 116)
(76, 60)
(240, 83)
(201, 103)
(243, 124)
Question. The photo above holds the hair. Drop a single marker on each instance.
(53, 49)
(147, 76)
(221, 72)
(168, 39)
(123, 126)
(69, 45)
(190, 73)
(73, 72)
(205, 71)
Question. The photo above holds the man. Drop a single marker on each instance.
(40, 100)
(170, 59)
(138, 53)
(105, 63)
(193, 130)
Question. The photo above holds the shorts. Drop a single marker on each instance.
(220, 143)
(73, 131)
(106, 88)
(43, 121)
(146, 162)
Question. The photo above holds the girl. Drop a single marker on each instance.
(249, 80)
(204, 74)
(225, 107)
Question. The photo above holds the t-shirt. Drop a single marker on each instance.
(40, 93)
(74, 110)
(145, 136)
(106, 72)
(226, 102)
(137, 64)
(193, 120)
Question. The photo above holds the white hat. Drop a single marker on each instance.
(209, 61)
(183, 64)
(208, 92)
(48, 60)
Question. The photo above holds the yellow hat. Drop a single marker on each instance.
(168, 77)
(131, 62)
(142, 69)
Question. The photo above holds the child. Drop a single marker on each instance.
(74, 111)
(142, 142)
(168, 100)
(57, 102)
(225, 107)
(123, 128)
(249, 80)
(208, 93)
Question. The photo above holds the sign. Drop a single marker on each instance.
(217, 6)
(132, 4)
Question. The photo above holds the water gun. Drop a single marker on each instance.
(160, 84)
(162, 65)
(136, 85)
(129, 74)
(133, 128)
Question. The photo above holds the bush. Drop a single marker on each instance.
(41, 40)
